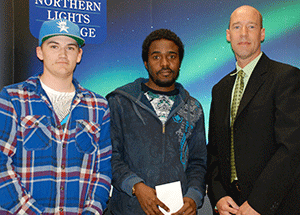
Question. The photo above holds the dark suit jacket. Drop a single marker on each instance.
(266, 137)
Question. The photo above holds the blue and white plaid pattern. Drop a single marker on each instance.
(45, 169)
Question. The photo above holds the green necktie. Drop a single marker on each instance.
(237, 96)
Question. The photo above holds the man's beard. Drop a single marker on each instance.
(164, 83)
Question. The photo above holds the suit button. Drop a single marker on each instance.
(274, 206)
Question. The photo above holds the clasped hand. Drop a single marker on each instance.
(149, 202)
(227, 206)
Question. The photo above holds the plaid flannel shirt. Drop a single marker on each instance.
(48, 168)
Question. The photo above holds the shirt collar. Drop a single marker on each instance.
(249, 68)
(33, 83)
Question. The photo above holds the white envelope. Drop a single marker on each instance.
(171, 195)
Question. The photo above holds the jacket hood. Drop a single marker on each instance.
(133, 90)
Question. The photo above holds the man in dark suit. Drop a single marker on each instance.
(254, 132)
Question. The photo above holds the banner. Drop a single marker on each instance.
(90, 16)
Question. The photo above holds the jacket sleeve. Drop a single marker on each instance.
(213, 178)
(196, 168)
(283, 168)
(14, 198)
(101, 180)
(122, 177)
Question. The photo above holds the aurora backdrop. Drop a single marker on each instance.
(202, 27)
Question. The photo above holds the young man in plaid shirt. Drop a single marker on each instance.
(55, 146)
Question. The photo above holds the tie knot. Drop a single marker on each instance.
(241, 74)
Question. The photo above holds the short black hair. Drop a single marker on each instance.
(158, 35)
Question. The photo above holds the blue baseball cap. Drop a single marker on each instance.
(60, 27)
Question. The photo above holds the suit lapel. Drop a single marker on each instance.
(222, 105)
(257, 78)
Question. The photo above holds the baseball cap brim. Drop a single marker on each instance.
(79, 40)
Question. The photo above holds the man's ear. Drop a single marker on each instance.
(146, 64)
(228, 35)
(39, 53)
(262, 34)
(79, 56)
